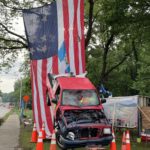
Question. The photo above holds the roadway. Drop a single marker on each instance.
(4, 109)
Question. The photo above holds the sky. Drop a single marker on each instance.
(8, 79)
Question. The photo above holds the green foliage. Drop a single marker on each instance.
(0, 93)
(143, 79)
(125, 70)
(117, 54)
(9, 97)
(22, 87)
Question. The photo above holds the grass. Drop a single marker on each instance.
(133, 141)
(25, 137)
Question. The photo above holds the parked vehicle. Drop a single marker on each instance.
(79, 115)
(145, 135)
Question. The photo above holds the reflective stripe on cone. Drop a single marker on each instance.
(39, 145)
(113, 143)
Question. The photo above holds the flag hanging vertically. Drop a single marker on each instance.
(55, 35)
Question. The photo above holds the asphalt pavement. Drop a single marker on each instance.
(9, 133)
(4, 111)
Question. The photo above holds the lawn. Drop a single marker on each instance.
(25, 137)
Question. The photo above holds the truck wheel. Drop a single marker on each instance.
(58, 141)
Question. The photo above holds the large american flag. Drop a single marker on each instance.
(55, 34)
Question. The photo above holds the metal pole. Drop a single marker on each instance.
(1, 92)
(113, 117)
(21, 103)
(20, 91)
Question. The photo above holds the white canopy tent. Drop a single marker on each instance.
(122, 111)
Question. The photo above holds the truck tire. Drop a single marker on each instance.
(59, 142)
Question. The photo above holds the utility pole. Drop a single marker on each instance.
(20, 91)
(21, 102)
(0, 91)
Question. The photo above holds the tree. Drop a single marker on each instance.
(11, 43)
(24, 86)
(0, 93)
(9, 97)
(121, 29)
(116, 41)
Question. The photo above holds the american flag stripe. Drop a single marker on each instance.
(66, 26)
(55, 64)
(75, 39)
(49, 65)
(42, 112)
(35, 66)
(34, 103)
(41, 87)
(60, 31)
(50, 109)
(82, 55)
(46, 120)
(71, 45)
(79, 18)
(36, 106)
(71, 18)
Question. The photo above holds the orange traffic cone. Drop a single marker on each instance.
(53, 141)
(34, 134)
(113, 142)
(43, 131)
(123, 147)
(128, 146)
(39, 145)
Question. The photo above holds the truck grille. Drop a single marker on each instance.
(90, 133)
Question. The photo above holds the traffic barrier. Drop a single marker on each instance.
(39, 145)
(34, 134)
(113, 142)
(123, 147)
(128, 146)
(43, 131)
(53, 141)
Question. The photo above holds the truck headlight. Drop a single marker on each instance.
(70, 136)
(107, 131)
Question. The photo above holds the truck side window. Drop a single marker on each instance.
(48, 99)
(57, 93)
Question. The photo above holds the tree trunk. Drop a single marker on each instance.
(105, 54)
(90, 23)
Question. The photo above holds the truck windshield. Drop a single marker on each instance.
(80, 98)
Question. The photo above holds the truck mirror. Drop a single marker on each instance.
(54, 101)
(48, 102)
(103, 100)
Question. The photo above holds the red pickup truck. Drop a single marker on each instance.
(79, 117)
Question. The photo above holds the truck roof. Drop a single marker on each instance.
(75, 83)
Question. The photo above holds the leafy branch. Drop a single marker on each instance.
(13, 33)
(24, 45)
(106, 49)
(118, 64)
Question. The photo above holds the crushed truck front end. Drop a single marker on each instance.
(79, 115)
